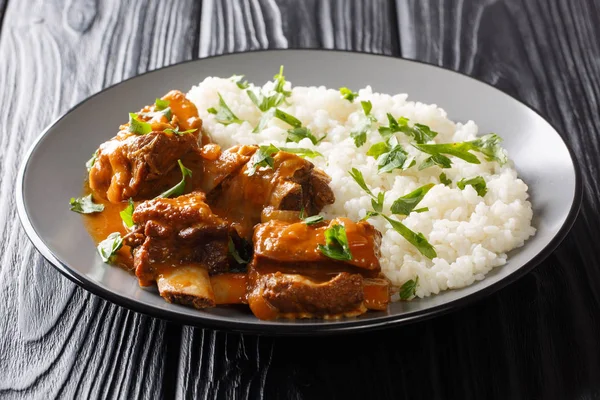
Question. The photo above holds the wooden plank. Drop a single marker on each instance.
(57, 339)
(217, 364)
(545, 53)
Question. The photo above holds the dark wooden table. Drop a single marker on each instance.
(537, 338)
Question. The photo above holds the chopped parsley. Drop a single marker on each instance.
(315, 219)
(163, 107)
(348, 94)
(223, 114)
(297, 132)
(161, 104)
(235, 254)
(85, 205)
(444, 179)
(478, 183)
(488, 145)
(366, 123)
(302, 152)
(177, 132)
(406, 204)
(262, 158)
(127, 214)
(279, 81)
(178, 189)
(390, 156)
(418, 132)
(237, 79)
(265, 103)
(89, 164)
(376, 201)
(137, 126)
(336, 244)
(409, 288)
(109, 246)
(416, 239)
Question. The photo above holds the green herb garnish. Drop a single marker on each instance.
(336, 244)
(409, 288)
(376, 201)
(418, 132)
(279, 80)
(262, 158)
(177, 132)
(109, 246)
(237, 79)
(178, 189)
(234, 253)
(287, 118)
(348, 94)
(395, 158)
(302, 152)
(163, 106)
(488, 145)
(85, 205)
(89, 164)
(406, 204)
(416, 239)
(360, 135)
(444, 179)
(315, 219)
(223, 114)
(297, 134)
(477, 182)
(127, 214)
(137, 126)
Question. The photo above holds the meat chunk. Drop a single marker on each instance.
(141, 166)
(289, 277)
(291, 184)
(178, 242)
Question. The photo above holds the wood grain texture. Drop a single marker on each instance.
(538, 338)
(58, 340)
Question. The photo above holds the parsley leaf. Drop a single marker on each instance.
(234, 253)
(409, 289)
(279, 80)
(396, 158)
(376, 201)
(177, 132)
(297, 134)
(137, 126)
(287, 118)
(302, 152)
(85, 205)
(264, 103)
(262, 158)
(378, 149)
(90, 163)
(336, 244)
(161, 104)
(405, 205)
(488, 145)
(444, 179)
(237, 79)
(360, 135)
(109, 246)
(224, 115)
(127, 214)
(416, 239)
(348, 94)
(178, 189)
(477, 182)
(418, 132)
(315, 219)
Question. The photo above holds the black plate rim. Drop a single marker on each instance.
(310, 329)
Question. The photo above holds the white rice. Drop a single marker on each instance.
(471, 235)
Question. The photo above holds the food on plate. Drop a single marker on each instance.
(301, 202)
